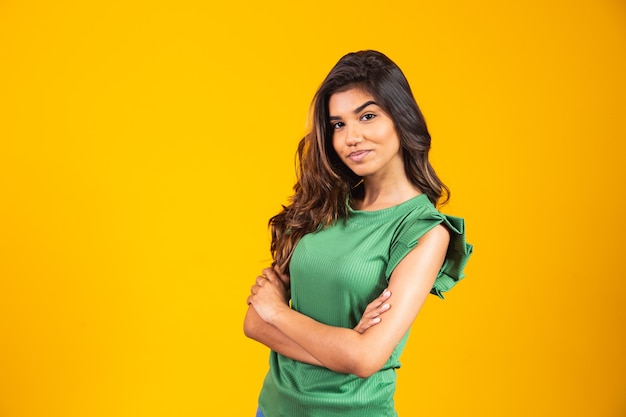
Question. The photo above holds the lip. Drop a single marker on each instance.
(358, 156)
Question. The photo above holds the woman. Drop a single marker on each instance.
(365, 196)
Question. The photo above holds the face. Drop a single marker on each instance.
(364, 135)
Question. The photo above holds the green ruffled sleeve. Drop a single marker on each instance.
(458, 254)
(414, 227)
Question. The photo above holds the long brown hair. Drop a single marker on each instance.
(324, 182)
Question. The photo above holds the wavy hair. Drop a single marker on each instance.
(324, 183)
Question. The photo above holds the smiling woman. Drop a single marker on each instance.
(364, 136)
(357, 251)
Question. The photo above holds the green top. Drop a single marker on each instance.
(335, 273)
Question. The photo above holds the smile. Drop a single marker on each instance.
(358, 156)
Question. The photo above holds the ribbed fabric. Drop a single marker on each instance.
(335, 273)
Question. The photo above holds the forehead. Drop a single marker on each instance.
(347, 101)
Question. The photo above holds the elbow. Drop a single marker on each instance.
(250, 332)
(366, 364)
(249, 329)
(362, 373)
(367, 370)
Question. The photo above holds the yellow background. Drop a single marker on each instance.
(144, 145)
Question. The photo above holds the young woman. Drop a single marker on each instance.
(362, 225)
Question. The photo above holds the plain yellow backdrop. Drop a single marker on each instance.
(144, 145)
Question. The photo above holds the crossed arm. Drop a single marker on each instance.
(361, 351)
(258, 329)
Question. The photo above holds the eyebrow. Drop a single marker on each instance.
(357, 110)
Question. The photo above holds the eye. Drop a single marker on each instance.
(337, 125)
(368, 116)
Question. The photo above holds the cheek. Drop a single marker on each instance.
(336, 142)
(390, 135)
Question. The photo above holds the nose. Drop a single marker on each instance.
(354, 135)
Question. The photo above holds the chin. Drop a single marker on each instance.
(362, 172)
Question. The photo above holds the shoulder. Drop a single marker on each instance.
(437, 237)
(418, 218)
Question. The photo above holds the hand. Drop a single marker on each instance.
(268, 295)
(371, 316)
(285, 279)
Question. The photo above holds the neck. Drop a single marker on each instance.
(381, 194)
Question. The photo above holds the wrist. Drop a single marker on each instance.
(277, 315)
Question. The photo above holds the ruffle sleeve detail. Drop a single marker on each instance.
(458, 254)
(417, 225)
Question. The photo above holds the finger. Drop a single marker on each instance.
(260, 280)
(383, 308)
(380, 310)
(273, 277)
(372, 321)
(366, 324)
(270, 274)
(374, 312)
(376, 304)
(385, 295)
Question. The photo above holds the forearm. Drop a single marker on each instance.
(302, 338)
(256, 328)
(339, 349)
